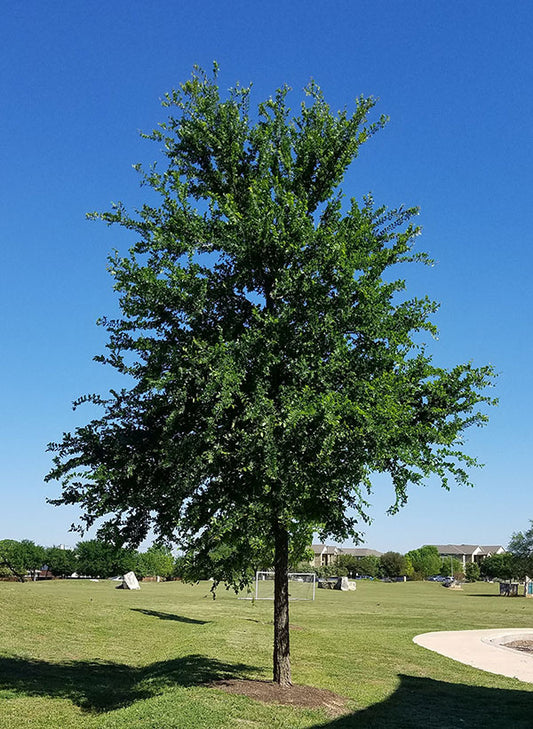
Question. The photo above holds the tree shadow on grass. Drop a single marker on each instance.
(100, 686)
(422, 703)
(170, 616)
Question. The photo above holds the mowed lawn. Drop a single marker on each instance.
(83, 654)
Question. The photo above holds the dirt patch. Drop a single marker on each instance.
(270, 693)
(521, 645)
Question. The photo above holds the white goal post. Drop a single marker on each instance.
(302, 586)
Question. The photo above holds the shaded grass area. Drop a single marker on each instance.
(425, 703)
(99, 686)
(81, 654)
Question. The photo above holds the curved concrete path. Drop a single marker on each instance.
(483, 649)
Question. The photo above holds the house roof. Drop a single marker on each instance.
(360, 552)
(467, 549)
(353, 551)
(324, 549)
(458, 548)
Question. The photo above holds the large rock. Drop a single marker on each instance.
(342, 584)
(129, 582)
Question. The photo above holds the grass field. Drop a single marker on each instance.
(84, 655)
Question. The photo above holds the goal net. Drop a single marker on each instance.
(301, 586)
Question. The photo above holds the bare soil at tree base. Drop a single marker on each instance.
(271, 693)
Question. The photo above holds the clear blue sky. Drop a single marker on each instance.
(78, 81)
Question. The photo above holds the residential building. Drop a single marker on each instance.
(468, 553)
(325, 554)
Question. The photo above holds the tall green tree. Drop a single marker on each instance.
(368, 565)
(502, 567)
(277, 362)
(393, 564)
(156, 561)
(21, 557)
(426, 561)
(451, 566)
(61, 562)
(472, 572)
(347, 563)
(98, 558)
(13, 558)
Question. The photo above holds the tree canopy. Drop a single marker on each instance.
(156, 561)
(61, 562)
(97, 558)
(472, 572)
(277, 363)
(21, 557)
(502, 567)
(368, 565)
(393, 564)
(425, 561)
(451, 567)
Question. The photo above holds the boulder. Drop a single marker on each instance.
(342, 584)
(129, 582)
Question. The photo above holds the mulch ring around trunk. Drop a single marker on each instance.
(307, 697)
(521, 645)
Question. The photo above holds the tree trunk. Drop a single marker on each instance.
(282, 664)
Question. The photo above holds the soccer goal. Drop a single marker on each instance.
(301, 586)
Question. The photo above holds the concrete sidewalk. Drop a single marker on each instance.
(483, 649)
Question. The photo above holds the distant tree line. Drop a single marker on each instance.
(96, 558)
(93, 558)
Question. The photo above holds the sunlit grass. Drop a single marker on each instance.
(82, 654)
